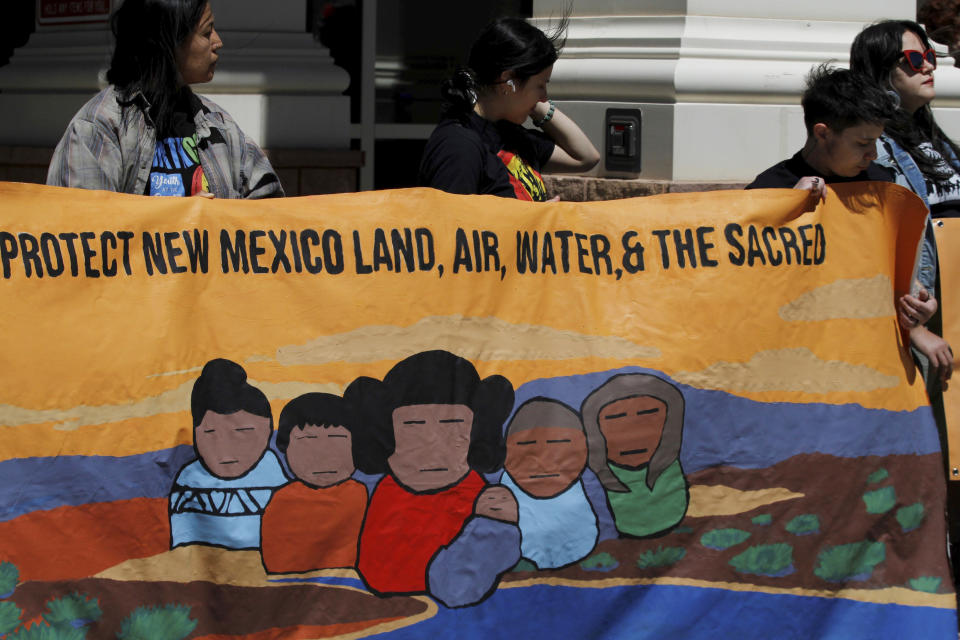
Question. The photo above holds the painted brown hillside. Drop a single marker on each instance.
(906, 494)
(225, 610)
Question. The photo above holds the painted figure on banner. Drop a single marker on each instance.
(433, 426)
(546, 457)
(218, 499)
(634, 427)
(314, 522)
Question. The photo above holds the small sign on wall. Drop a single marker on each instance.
(72, 11)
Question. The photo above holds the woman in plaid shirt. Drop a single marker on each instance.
(148, 133)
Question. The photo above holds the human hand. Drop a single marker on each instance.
(203, 194)
(497, 503)
(539, 110)
(916, 310)
(936, 350)
(553, 199)
(815, 185)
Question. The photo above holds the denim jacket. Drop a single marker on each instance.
(908, 174)
(111, 147)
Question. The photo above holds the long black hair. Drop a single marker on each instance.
(875, 52)
(147, 34)
(430, 377)
(506, 44)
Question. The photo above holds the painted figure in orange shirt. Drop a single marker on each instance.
(314, 522)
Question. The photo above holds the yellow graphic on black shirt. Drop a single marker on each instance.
(527, 183)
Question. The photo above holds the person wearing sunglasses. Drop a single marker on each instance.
(897, 54)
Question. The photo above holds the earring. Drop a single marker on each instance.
(894, 98)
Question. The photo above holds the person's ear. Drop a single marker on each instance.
(821, 132)
(508, 78)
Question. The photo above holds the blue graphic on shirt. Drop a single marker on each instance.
(176, 169)
(166, 184)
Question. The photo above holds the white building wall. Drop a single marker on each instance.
(280, 85)
(718, 82)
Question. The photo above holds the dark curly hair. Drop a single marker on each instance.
(840, 98)
(942, 21)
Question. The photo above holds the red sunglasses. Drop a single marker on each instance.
(915, 58)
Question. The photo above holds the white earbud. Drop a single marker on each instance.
(513, 87)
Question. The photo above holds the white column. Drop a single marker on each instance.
(280, 85)
(718, 81)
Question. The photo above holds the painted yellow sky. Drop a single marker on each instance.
(104, 356)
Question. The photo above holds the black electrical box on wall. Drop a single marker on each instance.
(622, 140)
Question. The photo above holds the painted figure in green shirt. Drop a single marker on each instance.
(634, 427)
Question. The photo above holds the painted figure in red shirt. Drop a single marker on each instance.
(433, 426)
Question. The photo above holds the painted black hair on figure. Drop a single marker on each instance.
(506, 44)
(222, 388)
(840, 98)
(147, 34)
(319, 409)
(431, 377)
(875, 52)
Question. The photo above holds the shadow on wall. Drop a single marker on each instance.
(19, 21)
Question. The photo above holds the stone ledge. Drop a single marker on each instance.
(587, 189)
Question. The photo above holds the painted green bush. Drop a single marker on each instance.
(170, 622)
(9, 617)
(73, 610)
(721, 539)
(524, 565)
(44, 632)
(804, 524)
(881, 500)
(854, 561)
(661, 557)
(911, 516)
(878, 476)
(927, 584)
(602, 561)
(773, 560)
(9, 575)
(683, 530)
(763, 520)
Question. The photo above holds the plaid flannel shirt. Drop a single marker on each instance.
(109, 146)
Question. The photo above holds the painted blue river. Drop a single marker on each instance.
(665, 612)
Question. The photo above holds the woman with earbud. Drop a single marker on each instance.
(480, 146)
(897, 54)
